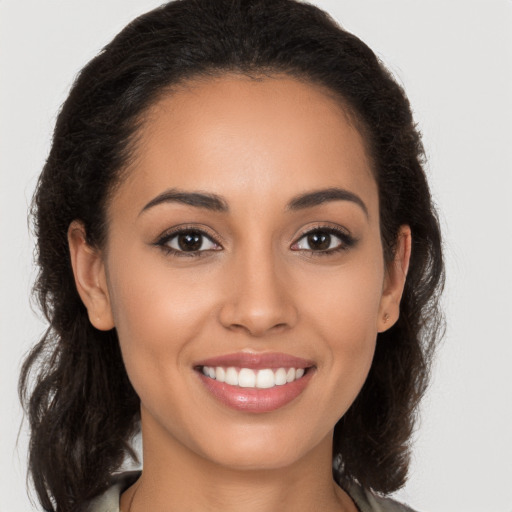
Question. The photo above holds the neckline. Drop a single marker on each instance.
(121, 481)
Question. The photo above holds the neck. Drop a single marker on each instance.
(176, 478)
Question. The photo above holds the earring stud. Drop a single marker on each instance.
(386, 317)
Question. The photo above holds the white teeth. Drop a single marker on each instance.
(231, 377)
(280, 377)
(247, 378)
(265, 379)
(220, 374)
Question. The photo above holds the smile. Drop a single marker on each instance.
(255, 383)
(265, 378)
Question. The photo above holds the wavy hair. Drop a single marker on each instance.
(80, 404)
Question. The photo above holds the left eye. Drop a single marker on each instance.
(320, 241)
(191, 241)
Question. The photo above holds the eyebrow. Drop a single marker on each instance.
(216, 203)
(319, 197)
(204, 200)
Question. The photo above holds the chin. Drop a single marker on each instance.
(270, 458)
(262, 448)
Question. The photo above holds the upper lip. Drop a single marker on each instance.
(257, 361)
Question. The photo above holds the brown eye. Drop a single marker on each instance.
(189, 241)
(324, 241)
(319, 241)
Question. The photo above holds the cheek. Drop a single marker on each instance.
(157, 313)
(346, 301)
(149, 297)
(159, 316)
(343, 313)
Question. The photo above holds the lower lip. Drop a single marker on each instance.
(254, 399)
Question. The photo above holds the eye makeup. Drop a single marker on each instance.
(324, 240)
(195, 241)
(188, 241)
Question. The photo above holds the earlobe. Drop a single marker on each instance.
(90, 279)
(394, 282)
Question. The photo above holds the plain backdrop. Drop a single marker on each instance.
(454, 59)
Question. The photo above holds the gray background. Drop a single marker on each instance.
(454, 59)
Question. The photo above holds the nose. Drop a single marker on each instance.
(259, 296)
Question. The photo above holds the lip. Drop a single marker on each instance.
(257, 361)
(255, 400)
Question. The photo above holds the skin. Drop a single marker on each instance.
(258, 288)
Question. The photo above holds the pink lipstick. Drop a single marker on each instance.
(253, 382)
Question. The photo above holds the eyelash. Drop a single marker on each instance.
(166, 238)
(346, 241)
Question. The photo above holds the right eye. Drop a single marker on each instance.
(188, 241)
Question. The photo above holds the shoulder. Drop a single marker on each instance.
(366, 501)
(109, 500)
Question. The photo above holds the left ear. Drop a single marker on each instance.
(394, 281)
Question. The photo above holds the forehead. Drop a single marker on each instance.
(273, 137)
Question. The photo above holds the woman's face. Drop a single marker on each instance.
(245, 244)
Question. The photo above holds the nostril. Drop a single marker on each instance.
(255, 329)
(257, 316)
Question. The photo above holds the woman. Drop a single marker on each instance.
(239, 255)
